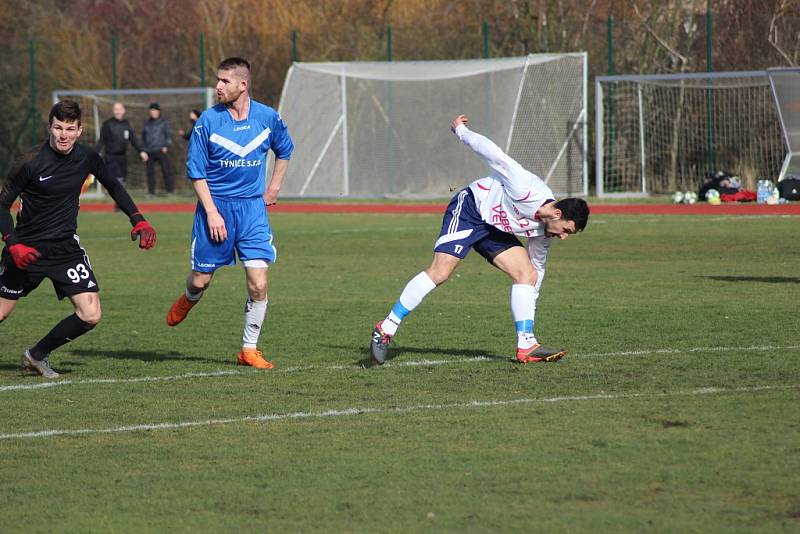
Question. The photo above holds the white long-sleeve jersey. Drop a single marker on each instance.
(510, 196)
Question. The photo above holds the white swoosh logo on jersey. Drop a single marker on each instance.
(43, 178)
(236, 148)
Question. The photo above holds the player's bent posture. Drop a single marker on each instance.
(487, 216)
(226, 164)
(44, 242)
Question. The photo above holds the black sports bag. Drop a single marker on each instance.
(789, 188)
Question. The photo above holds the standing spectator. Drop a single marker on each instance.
(157, 138)
(193, 116)
(115, 135)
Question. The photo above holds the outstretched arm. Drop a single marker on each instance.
(141, 228)
(515, 178)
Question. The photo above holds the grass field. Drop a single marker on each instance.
(677, 410)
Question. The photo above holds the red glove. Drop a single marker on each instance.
(145, 233)
(23, 255)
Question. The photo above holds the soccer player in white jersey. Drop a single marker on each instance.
(487, 216)
(226, 163)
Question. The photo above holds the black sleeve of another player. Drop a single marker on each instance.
(15, 184)
(115, 189)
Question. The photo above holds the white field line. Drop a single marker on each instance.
(413, 363)
(391, 410)
(214, 374)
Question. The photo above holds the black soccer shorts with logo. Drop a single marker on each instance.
(65, 263)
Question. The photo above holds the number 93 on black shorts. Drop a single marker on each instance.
(66, 264)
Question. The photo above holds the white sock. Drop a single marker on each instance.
(254, 313)
(194, 297)
(416, 290)
(523, 310)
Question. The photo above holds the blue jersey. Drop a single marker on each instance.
(231, 155)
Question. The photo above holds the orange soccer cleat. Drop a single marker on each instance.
(179, 310)
(539, 353)
(253, 358)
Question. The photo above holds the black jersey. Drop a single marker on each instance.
(115, 135)
(49, 185)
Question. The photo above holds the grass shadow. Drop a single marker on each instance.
(144, 356)
(399, 351)
(763, 279)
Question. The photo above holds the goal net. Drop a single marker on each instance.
(665, 133)
(381, 129)
(786, 88)
(176, 104)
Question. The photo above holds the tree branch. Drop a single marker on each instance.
(683, 59)
(773, 32)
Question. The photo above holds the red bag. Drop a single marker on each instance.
(743, 195)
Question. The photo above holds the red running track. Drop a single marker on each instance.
(616, 209)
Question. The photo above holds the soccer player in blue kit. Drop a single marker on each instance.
(226, 163)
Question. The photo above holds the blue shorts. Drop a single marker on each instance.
(249, 235)
(463, 228)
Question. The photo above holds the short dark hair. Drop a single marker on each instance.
(574, 209)
(233, 63)
(66, 111)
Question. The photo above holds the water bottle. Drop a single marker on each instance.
(763, 191)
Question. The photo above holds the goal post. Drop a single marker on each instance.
(175, 102)
(381, 129)
(785, 83)
(668, 132)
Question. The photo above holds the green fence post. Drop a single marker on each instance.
(202, 55)
(710, 93)
(114, 61)
(612, 134)
(294, 46)
(32, 54)
(485, 31)
(389, 43)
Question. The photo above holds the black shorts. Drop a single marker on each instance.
(65, 263)
(464, 229)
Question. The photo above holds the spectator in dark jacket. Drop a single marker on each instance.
(157, 138)
(193, 116)
(115, 135)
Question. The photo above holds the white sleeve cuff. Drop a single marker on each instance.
(461, 130)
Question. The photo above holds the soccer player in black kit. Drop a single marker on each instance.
(44, 242)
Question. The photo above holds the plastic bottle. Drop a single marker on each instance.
(763, 191)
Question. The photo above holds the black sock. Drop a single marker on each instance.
(69, 328)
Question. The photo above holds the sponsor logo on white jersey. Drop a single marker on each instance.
(500, 219)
